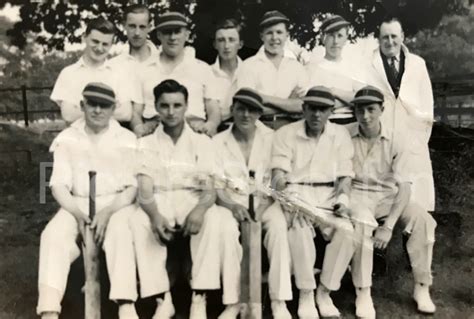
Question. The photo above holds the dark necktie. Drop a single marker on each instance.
(393, 67)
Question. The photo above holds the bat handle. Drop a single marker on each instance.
(251, 197)
(92, 193)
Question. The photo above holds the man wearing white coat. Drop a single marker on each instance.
(404, 80)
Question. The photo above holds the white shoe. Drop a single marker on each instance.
(279, 310)
(198, 307)
(127, 311)
(230, 311)
(364, 305)
(306, 306)
(164, 307)
(325, 305)
(50, 315)
(421, 294)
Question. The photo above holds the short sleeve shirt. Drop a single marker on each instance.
(310, 160)
(176, 166)
(195, 75)
(73, 79)
(233, 166)
(259, 73)
(383, 166)
(112, 157)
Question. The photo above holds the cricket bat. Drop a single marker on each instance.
(91, 259)
(251, 278)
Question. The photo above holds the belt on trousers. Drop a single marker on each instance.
(97, 195)
(282, 116)
(325, 184)
(158, 189)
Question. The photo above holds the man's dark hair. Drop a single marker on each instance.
(136, 8)
(387, 19)
(169, 86)
(229, 24)
(102, 25)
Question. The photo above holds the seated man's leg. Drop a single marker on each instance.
(151, 257)
(337, 257)
(278, 249)
(121, 264)
(420, 226)
(58, 249)
(303, 256)
(362, 262)
(216, 253)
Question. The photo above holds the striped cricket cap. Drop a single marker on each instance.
(319, 96)
(249, 97)
(273, 17)
(171, 19)
(334, 23)
(368, 94)
(99, 92)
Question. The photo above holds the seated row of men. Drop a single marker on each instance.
(179, 181)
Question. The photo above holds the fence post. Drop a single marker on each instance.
(25, 104)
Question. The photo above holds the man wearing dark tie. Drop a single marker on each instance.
(404, 80)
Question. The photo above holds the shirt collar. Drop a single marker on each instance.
(398, 56)
(160, 133)
(384, 132)
(287, 53)
(217, 66)
(189, 54)
(80, 126)
(327, 131)
(261, 129)
(81, 63)
(149, 44)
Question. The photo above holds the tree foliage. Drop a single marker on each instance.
(448, 48)
(55, 22)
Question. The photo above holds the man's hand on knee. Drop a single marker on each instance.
(162, 229)
(382, 237)
(100, 223)
(194, 221)
(240, 213)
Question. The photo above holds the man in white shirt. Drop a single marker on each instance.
(140, 54)
(94, 67)
(281, 81)
(227, 42)
(176, 194)
(334, 72)
(381, 190)
(95, 142)
(244, 147)
(312, 161)
(177, 62)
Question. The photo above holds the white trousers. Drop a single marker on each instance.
(215, 251)
(301, 238)
(59, 248)
(417, 223)
(276, 243)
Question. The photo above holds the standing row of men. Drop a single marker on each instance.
(185, 183)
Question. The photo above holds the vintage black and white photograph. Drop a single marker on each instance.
(236, 159)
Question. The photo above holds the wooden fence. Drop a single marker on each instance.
(26, 111)
(443, 89)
